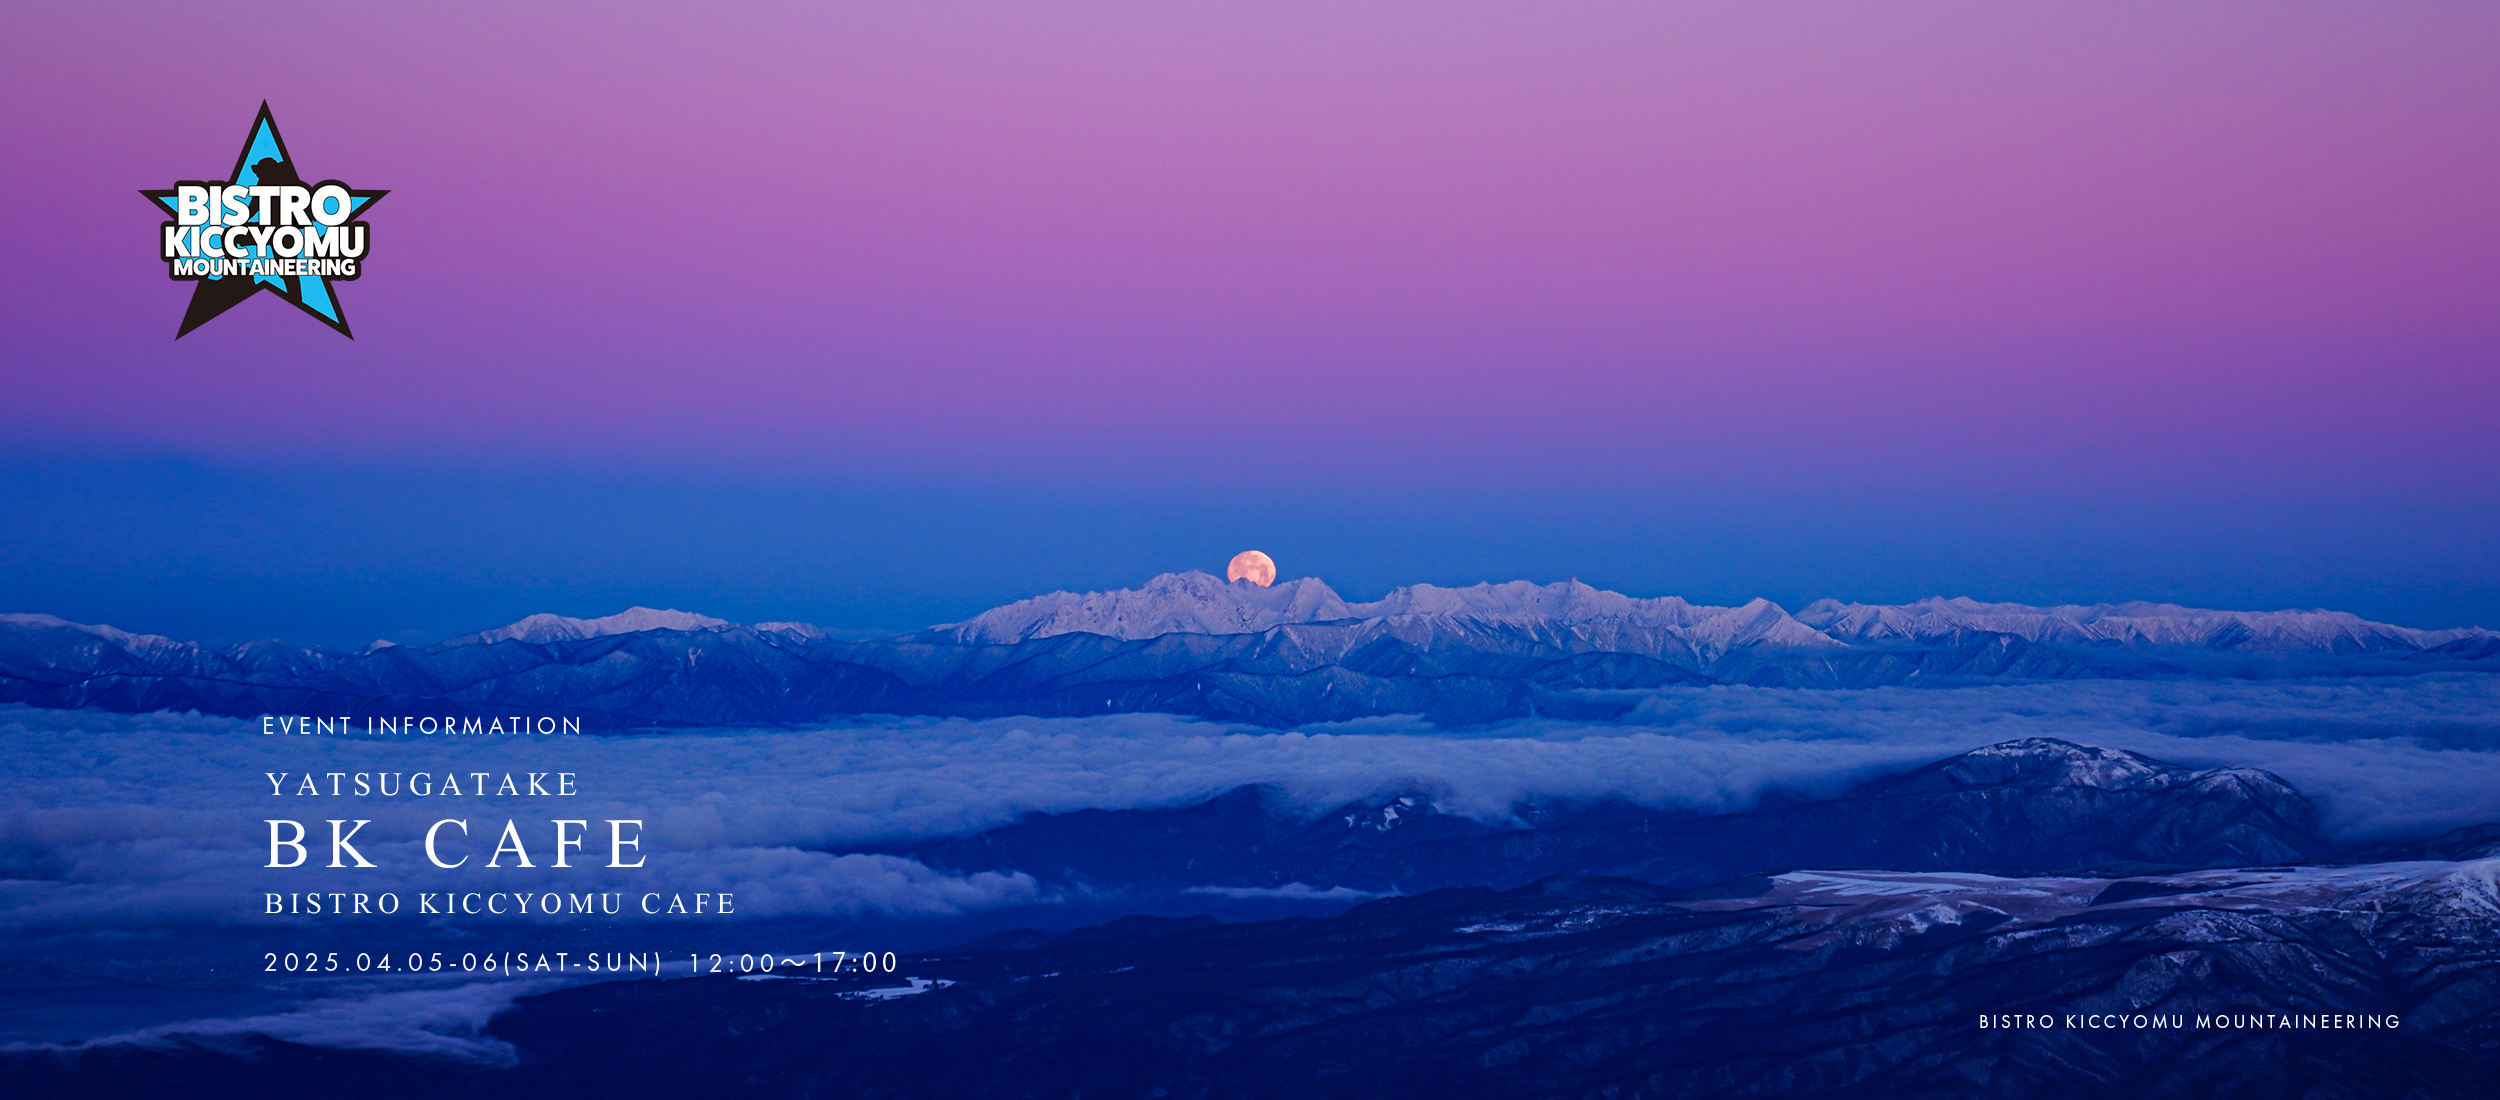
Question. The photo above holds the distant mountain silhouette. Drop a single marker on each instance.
(1192, 644)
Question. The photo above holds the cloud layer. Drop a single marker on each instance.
(152, 825)
(136, 821)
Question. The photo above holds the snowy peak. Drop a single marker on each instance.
(2045, 762)
(1629, 621)
(1292, 654)
(29, 621)
(120, 639)
(2153, 624)
(1174, 603)
(557, 628)
(1569, 601)
(1196, 603)
(809, 631)
(1572, 602)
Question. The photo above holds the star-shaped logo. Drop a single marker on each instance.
(264, 228)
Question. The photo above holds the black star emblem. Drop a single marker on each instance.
(265, 162)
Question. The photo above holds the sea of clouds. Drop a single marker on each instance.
(143, 820)
(122, 830)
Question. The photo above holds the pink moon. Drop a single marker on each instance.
(1252, 566)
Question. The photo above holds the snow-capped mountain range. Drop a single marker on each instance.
(2156, 624)
(1197, 603)
(1189, 643)
(557, 628)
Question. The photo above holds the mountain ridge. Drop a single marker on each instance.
(1195, 602)
(1187, 643)
(2028, 806)
(2326, 983)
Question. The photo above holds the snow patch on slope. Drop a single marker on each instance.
(558, 628)
(1174, 603)
(122, 639)
(2158, 624)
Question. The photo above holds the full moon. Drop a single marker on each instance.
(1252, 566)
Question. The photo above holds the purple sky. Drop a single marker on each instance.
(2169, 260)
